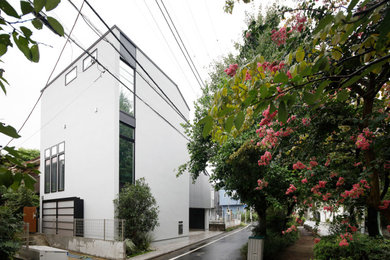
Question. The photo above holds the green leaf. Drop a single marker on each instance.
(263, 91)
(8, 130)
(309, 98)
(261, 107)
(342, 95)
(384, 29)
(56, 25)
(208, 125)
(324, 22)
(27, 32)
(35, 53)
(3, 49)
(251, 96)
(22, 44)
(3, 87)
(352, 5)
(281, 77)
(51, 4)
(8, 9)
(239, 120)
(282, 112)
(37, 23)
(29, 181)
(6, 178)
(229, 123)
(38, 5)
(300, 55)
(26, 7)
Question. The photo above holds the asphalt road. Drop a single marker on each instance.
(225, 247)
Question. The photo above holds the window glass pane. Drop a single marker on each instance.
(71, 75)
(61, 172)
(54, 174)
(126, 97)
(126, 162)
(125, 130)
(88, 61)
(47, 176)
(54, 150)
(47, 153)
(61, 147)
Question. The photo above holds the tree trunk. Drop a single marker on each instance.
(262, 226)
(373, 222)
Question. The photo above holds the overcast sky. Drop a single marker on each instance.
(206, 30)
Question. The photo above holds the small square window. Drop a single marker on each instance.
(71, 75)
(61, 147)
(47, 153)
(54, 150)
(89, 60)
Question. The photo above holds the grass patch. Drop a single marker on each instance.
(140, 253)
(235, 227)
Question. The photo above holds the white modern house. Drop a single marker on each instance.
(98, 135)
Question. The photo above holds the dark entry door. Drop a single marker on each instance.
(197, 218)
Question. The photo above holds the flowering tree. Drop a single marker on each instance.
(325, 107)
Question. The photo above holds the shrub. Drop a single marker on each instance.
(362, 247)
(137, 206)
(274, 243)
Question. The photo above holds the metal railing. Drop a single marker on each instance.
(105, 229)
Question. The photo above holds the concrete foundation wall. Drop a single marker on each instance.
(95, 247)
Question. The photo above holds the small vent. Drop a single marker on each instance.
(180, 227)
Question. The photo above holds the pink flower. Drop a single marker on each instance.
(289, 74)
(248, 76)
(280, 36)
(317, 240)
(291, 189)
(386, 204)
(231, 71)
(306, 121)
(328, 208)
(304, 180)
(343, 242)
(340, 181)
(327, 162)
(322, 184)
(248, 34)
(313, 164)
(299, 166)
(265, 158)
(362, 142)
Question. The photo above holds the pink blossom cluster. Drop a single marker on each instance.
(265, 159)
(248, 76)
(356, 190)
(362, 141)
(328, 208)
(317, 240)
(291, 118)
(261, 184)
(299, 221)
(291, 189)
(299, 166)
(271, 67)
(322, 184)
(353, 228)
(299, 23)
(279, 36)
(333, 174)
(344, 239)
(326, 196)
(267, 117)
(385, 203)
(304, 180)
(231, 71)
(340, 181)
(313, 163)
(306, 121)
(290, 229)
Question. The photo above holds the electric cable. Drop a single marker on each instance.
(178, 34)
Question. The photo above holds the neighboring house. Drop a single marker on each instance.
(96, 136)
(229, 206)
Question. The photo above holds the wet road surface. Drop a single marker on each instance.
(226, 247)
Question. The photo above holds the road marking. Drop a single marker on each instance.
(212, 242)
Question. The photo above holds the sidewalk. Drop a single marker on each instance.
(302, 249)
(167, 246)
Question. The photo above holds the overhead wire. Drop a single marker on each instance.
(161, 93)
(183, 49)
(48, 79)
(169, 47)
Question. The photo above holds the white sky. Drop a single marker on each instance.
(206, 30)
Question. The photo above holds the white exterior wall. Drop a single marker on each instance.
(85, 115)
(201, 193)
(159, 150)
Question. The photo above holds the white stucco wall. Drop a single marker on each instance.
(84, 114)
(159, 150)
(201, 193)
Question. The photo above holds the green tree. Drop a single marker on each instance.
(137, 206)
(28, 154)
(345, 62)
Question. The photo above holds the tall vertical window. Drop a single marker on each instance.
(126, 154)
(55, 168)
(126, 97)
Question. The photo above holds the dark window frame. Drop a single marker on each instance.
(134, 88)
(132, 141)
(50, 187)
(66, 76)
(89, 57)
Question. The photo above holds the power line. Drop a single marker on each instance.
(48, 80)
(169, 102)
(169, 46)
(190, 61)
(132, 56)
